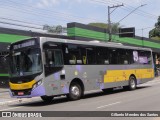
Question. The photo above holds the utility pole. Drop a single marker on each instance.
(143, 34)
(109, 19)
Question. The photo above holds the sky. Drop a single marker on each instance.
(33, 14)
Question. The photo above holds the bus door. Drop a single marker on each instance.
(53, 65)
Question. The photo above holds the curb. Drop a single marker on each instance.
(18, 101)
(3, 91)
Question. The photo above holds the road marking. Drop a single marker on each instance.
(109, 105)
(10, 108)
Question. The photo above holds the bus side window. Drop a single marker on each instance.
(83, 55)
(91, 56)
(74, 54)
(106, 61)
(49, 54)
(58, 58)
(53, 59)
(84, 60)
(144, 57)
(72, 59)
(102, 55)
(113, 56)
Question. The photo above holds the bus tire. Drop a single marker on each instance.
(47, 99)
(132, 84)
(75, 91)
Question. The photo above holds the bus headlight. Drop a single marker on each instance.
(37, 84)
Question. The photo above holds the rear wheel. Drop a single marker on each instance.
(75, 91)
(132, 83)
(47, 99)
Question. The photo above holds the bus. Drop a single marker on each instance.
(50, 67)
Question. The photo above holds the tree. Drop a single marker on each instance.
(155, 32)
(54, 29)
(115, 26)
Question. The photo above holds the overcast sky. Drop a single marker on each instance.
(36, 13)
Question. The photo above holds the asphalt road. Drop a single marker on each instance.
(145, 98)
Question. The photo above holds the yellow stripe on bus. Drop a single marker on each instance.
(122, 75)
(22, 86)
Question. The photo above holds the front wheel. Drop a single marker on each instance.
(47, 99)
(75, 91)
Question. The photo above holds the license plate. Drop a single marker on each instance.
(20, 93)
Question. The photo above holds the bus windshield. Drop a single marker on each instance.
(26, 62)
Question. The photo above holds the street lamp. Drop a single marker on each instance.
(143, 34)
(109, 22)
(132, 12)
(144, 29)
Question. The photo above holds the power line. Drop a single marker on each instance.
(104, 2)
(45, 15)
(128, 8)
(16, 21)
(140, 11)
(20, 25)
(131, 12)
(145, 28)
(55, 12)
(19, 21)
(34, 13)
(18, 10)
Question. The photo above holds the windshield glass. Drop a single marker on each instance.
(26, 62)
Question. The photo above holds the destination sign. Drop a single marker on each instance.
(24, 44)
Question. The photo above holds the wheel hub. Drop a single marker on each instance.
(75, 90)
(133, 84)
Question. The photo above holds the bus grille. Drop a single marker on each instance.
(25, 92)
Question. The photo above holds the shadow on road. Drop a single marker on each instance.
(111, 93)
(60, 100)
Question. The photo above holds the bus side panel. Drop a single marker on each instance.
(88, 74)
(52, 84)
(119, 75)
(96, 77)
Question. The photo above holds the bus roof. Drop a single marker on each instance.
(93, 42)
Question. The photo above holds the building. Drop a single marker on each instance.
(74, 31)
(85, 32)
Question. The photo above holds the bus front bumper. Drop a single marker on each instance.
(28, 93)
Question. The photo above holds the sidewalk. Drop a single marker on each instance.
(2, 90)
(5, 98)
(157, 78)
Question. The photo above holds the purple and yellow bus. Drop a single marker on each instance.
(49, 67)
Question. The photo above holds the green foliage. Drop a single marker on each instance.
(100, 25)
(156, 38)
(155, 32)
(54, 29)
(115, 26)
